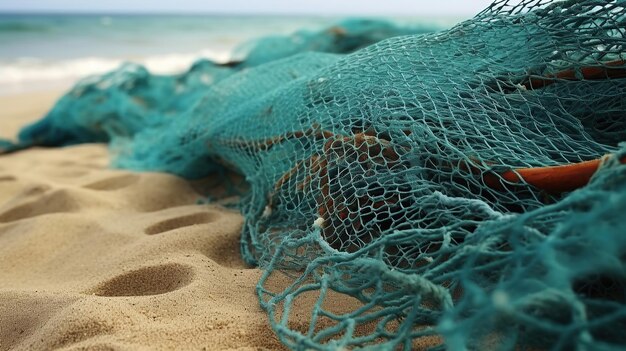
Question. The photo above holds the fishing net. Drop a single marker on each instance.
(344, 37)
(464, 189)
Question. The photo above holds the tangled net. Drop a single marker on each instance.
(464, 189)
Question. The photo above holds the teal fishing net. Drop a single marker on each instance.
(464, 189)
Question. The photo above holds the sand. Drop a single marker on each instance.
(101, 259)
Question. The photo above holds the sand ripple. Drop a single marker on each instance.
(93, 258)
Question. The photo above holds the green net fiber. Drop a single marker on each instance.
(464, 189)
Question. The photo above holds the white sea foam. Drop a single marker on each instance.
(28, 74)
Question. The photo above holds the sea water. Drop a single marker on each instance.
(51, 51)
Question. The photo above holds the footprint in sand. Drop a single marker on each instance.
(218, 241)
(55, 202)
(113, 183)
(7, 178)
(180, 222)
(151, 280)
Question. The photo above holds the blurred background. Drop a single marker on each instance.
(48, 44)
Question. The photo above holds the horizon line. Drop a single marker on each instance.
(217, 13)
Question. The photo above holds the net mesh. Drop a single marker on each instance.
(460, 189)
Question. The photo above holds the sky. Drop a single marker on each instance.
(329, 7)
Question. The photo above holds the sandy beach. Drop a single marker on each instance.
(313, 177)
(102, 259)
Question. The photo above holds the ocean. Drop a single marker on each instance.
(51, 51)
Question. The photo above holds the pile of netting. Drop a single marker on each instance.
(464, 189)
